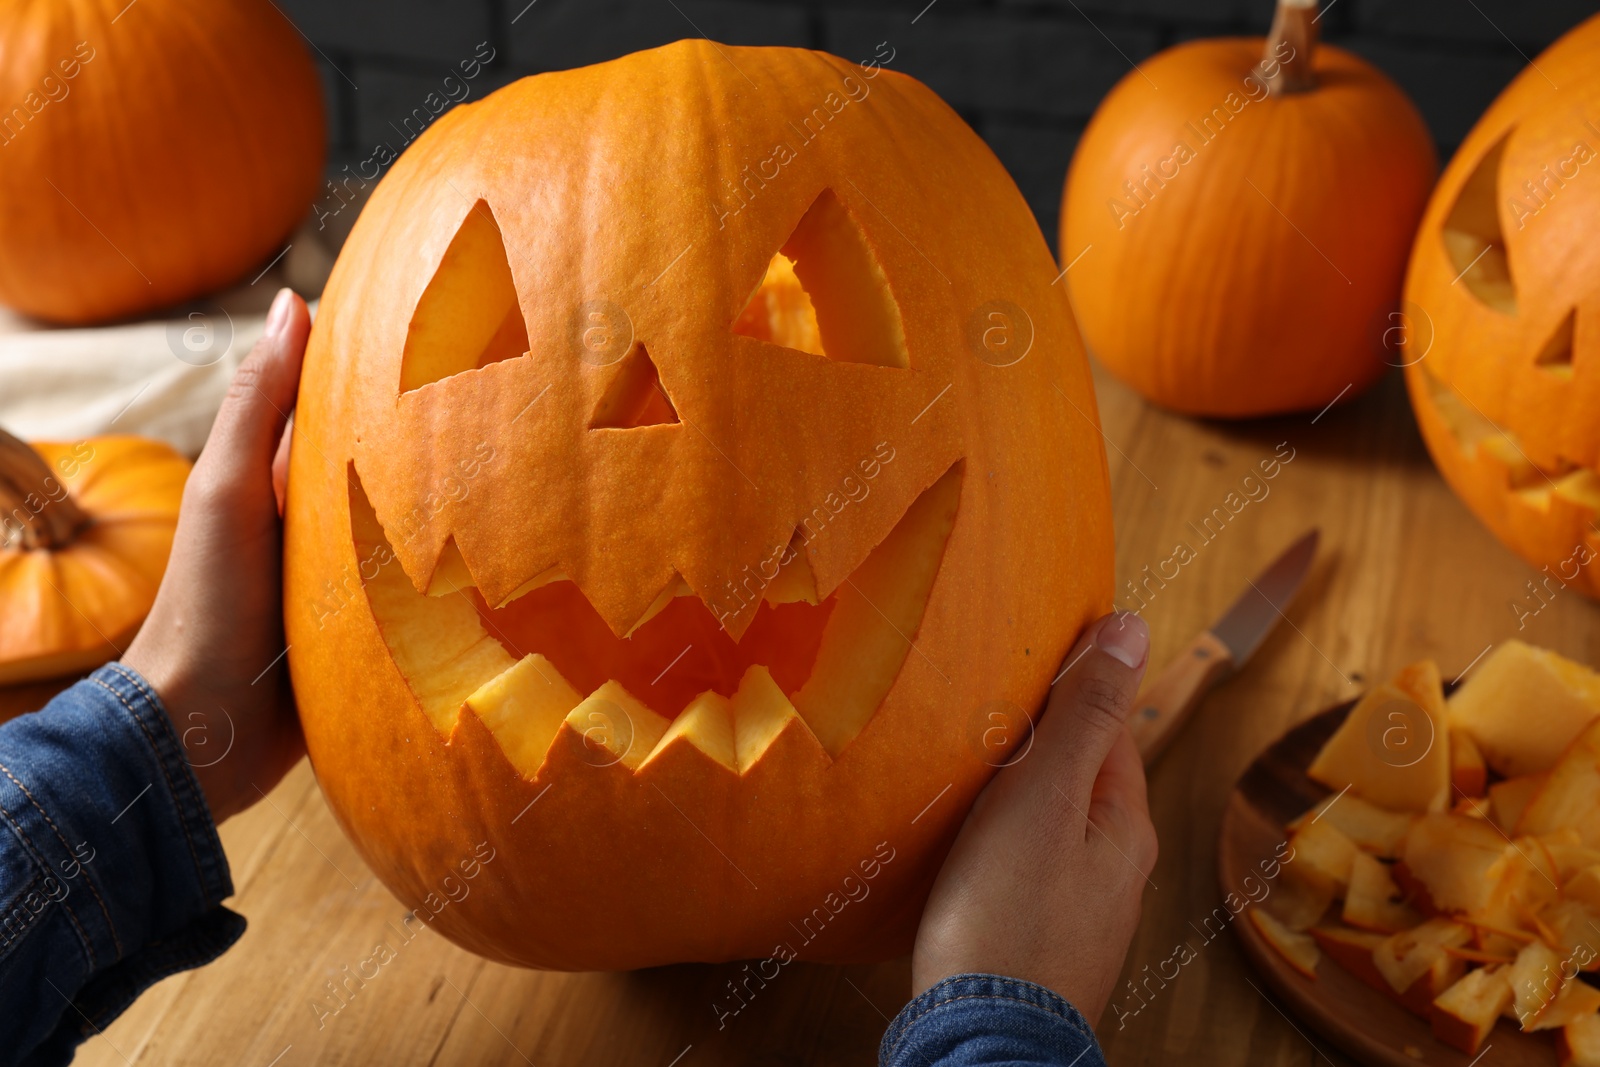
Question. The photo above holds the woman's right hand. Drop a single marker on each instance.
(1044, 881)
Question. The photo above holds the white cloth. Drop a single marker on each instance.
(162, 377)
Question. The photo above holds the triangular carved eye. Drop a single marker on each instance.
(1474, 240)
(468, 316)
(825, 293)
(1556, 355)
(635, 396)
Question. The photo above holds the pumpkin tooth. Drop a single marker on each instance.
(760, 713)
(1582, 487)
(439, 645)
(450, 574)
(617, 726)
(706, 724)
(1500, 450)
(544, 577)
(1520, 472)
(795, 582)
(523, 706)
(674, 589)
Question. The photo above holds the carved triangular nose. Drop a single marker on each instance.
(634, 397)
(1555, 355)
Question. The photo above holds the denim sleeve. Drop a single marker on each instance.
(111, 873)
(983, 1020)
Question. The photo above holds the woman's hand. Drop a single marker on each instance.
(213, 644)
(1043, 882)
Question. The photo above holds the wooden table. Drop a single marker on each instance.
(1405, 572)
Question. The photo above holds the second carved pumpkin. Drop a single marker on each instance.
(1504, 288)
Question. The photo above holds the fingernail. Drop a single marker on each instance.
(278, 317)
(1125, 638)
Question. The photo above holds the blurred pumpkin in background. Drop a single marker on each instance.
(153, 151)
(1503, 300)
(670, 562)
(85, 531)
(1236, 221)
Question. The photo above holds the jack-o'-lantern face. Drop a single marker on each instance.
(671, 508)
(1504, 303)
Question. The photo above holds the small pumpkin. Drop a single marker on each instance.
(1504, 301)
(670, 572)
(154, 151)
(85, 531)
(1236, 221)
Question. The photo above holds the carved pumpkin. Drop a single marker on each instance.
(85, 530)
(1236, 221)
(665, 537)
(1504, 306)
(154, 151)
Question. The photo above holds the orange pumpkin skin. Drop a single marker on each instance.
(820, 847)
(70, 608)
(154, 152)
(1503, 295)
(1253, 275)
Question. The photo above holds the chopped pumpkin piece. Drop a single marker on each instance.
(1299, 949)
(1463, 1015)
(1523, 706)
(1394, 747)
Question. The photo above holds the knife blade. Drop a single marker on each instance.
(1222, 649)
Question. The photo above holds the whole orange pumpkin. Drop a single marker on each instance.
(1236, 221)
(85, 531)
(707, 484)
(153, 151)
(1504, 307)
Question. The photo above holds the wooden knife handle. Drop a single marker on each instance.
(1164, 706)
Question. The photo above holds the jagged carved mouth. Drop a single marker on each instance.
(824, 658)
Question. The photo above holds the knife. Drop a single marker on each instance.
(1221, 650)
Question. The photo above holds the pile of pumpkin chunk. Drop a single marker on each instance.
(1456, 867)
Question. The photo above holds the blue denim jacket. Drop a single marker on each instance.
(111, 873)
(112, 877)
(983, 1020)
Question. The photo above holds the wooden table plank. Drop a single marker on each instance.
(1405, 572)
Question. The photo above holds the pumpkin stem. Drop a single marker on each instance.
(36, 511)
(1290, 46)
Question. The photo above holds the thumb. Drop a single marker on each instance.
(1121, 805)
(1090, 703)
(256, 408)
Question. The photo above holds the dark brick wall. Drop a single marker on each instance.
(1025, 73)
